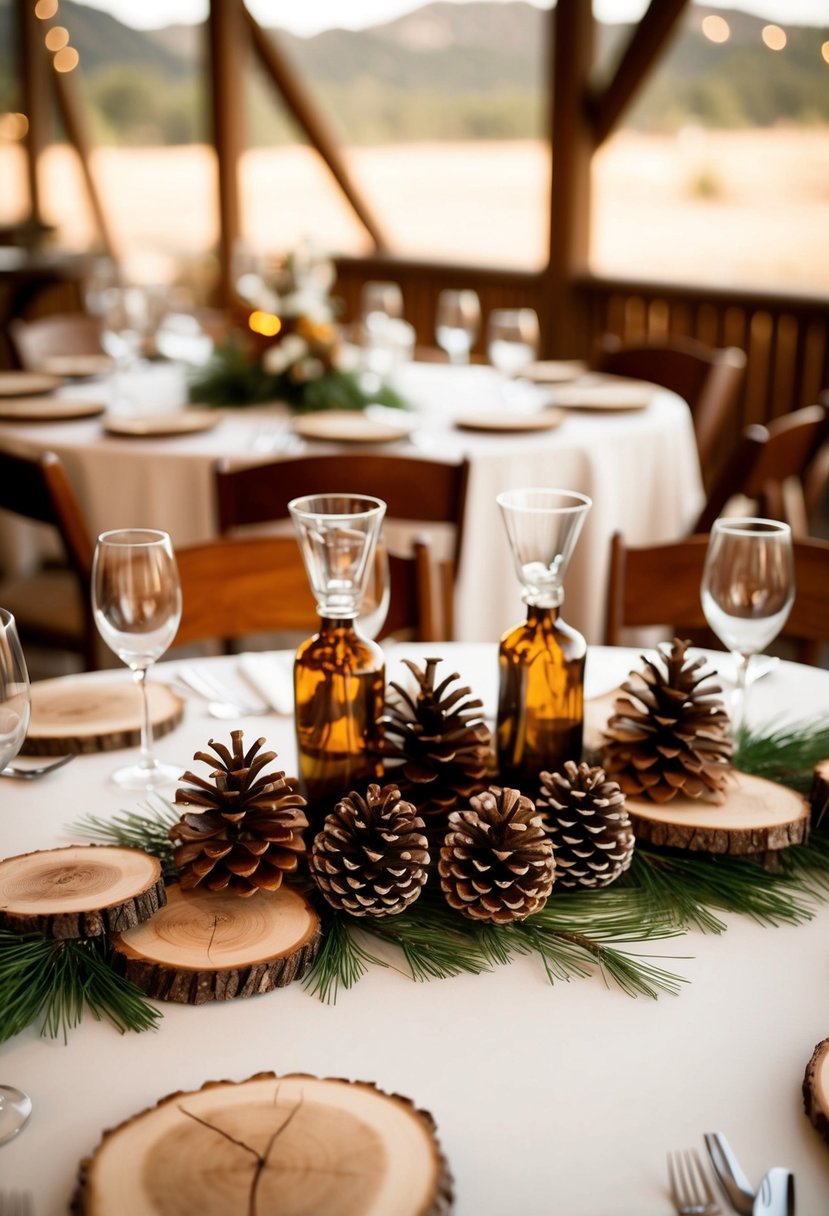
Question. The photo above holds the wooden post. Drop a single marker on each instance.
(33, 73)
(228, 44)
(73, 113)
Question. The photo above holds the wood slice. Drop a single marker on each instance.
(757, 817)
(214, 946)
(819, 796)
(816, 1089)
(79, 891)
(94, 716)
(296, 1145)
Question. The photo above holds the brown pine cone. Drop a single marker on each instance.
(436, 745)
(371, 857)
(249, 833)
(586, 820)
(671, 734)
(497, 863)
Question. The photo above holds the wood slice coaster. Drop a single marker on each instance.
(214, 946)
(94, 716)
(296, 1145)
(816, 1089)
(757, 817)
(79, 891)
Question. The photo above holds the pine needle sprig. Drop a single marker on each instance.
(566, 955)
(435, 942)
(786, 753)
(41, 977)
(341, 960)
(147, 829)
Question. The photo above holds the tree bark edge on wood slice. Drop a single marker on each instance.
(97, 716)
(181, 1149)
(184, 956)
(79, 891)
(758, 817)
(816, 1089)
(819, 795)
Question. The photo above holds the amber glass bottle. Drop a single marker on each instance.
(540, 698)
(339, 686)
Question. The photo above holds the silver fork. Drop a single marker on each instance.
(691, 1192)
(30, 772)
(224, 703)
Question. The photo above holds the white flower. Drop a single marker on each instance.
(279, 357)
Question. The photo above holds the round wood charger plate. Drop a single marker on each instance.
(214, 946)
(79, 891)
(47, 409)
(758, 816)
(350, 426)
(553, 371)
(92, 716)
(816, 1089)
(77, 366)
(21, 383)
(294, 1145)
(504, 423)
(158, 426)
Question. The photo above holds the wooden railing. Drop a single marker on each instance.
(785, 337)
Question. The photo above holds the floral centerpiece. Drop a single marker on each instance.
(284, 344)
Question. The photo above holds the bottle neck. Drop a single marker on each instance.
(538, 613)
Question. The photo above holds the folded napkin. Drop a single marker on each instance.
(271, 674)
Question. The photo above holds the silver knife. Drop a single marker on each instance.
(729, 1173)
(775, 1195)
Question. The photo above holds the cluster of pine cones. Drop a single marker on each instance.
(497, 851)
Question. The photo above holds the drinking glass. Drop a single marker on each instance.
(136, 601)
(457, 322)
(382, 311)
(747, 591)
(15, 701)
(512, 339)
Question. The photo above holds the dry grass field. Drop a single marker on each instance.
(747, 208)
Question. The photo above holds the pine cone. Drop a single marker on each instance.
(586, 820)
(371, 857)
(250, 832)
(497, 863)
(674, 736)
(441, 744)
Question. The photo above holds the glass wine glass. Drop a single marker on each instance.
(15, 697)
(457, 322)
(747, 591)
(382, 309)
(512, 337)
(136, 601)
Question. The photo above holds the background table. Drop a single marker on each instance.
(558, 1099)
(640, 468)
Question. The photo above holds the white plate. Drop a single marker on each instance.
(351, 426)
(157, 426)
(47, 409)
(26, 384)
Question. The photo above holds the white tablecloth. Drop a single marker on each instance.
(558, 1099)
(640, 467)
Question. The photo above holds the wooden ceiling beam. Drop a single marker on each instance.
(646, 44)
(228, 45)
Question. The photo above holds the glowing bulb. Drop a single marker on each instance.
(57, 38)
(716, 29)
(264, 323)
(774, 37)
(44, 9)
(13, 126)
(824, 50)
(66, 60)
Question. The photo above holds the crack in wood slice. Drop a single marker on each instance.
(303, 1145)
(215, 946)
(816, 1089)
(95, 716)
(79, 891)
(758, 817)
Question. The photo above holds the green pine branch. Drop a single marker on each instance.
(147, 829)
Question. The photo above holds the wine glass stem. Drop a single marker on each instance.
(738, 714)
(147, 761)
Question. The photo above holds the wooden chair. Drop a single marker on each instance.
(708, 378)
(660, 585)
(52, 606)
(237, 586)
(61, 334)
(417, 491)
(768, 466)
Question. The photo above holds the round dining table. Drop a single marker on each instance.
(629, 447)
(557, 1099)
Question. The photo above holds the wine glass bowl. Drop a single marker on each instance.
(457, 322)
(747, 590)
(136, 603)
(338, 535)
(15, 694)
(512, 337)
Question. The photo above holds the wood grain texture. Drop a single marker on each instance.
(95, 717)
(79, 891)
(757, 817)
(297, 1145)
(819, 795)
(816, 1089)
(214, 946)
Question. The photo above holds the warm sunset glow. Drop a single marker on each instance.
(264, 323)
(13, 126)
(57, 37)
(774, 37)
(66, 59)
(716, 29)
(44, 9)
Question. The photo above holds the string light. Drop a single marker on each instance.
(13, 126)
(57, 37)
(716, 29)
(66, 60)
(44, 9)
(264, 323)
(774, 37)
